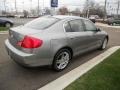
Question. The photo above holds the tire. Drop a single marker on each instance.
(61, 59)
(7, 24)
(114, 24)
(104, 44)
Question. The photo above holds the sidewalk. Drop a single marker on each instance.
(3, 32)
(65, 80)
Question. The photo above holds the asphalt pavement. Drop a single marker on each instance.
(15, 77)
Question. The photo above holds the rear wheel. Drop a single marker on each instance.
(61, 59)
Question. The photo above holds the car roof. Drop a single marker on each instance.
(67, 17)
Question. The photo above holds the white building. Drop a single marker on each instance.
(112, 6)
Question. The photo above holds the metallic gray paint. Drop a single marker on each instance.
(54, 38)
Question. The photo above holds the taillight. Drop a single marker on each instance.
(30, 42)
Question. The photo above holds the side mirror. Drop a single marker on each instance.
(98, 30)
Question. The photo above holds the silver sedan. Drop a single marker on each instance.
(53, 40)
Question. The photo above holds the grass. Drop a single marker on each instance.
(3, 29)
(105, 76)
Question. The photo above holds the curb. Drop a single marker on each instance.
(68, 78)
(3, 32)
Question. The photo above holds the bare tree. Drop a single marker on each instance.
(76, 12)
(63, 10)
(3, 12)
(86, 8)
(94, 9)
(47, 11)
(25, 13)
(34, 11)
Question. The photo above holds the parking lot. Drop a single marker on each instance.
(20, 21)
(15, 77)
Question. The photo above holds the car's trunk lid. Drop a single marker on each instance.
(18, 33)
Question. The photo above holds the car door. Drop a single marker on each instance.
(119, 21)
(94, 35)
(1, 22)
(78, 39)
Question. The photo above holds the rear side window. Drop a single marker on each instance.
(76, 25)
(42, 23)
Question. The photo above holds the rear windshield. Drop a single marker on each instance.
(41, 23)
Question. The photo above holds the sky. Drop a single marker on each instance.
(70, 4)
(27, 5)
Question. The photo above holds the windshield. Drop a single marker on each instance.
(41, 23)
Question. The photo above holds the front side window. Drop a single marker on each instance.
(41, 23)
(89, 25)
(76, 25)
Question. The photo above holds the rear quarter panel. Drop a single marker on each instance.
(43, 53)
(57, 43)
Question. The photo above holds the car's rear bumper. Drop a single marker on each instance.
(25, 59)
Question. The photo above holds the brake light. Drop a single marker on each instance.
(30, 42)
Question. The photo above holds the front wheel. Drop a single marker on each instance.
(114, 24)
(8, 25)
(104, 44)
(61, 59)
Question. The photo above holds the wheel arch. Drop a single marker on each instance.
(107, 37)
(68, 48)
(65, 47)
(53, 63)
(9, 23)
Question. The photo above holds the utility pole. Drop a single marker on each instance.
(15, 7)
(43, 10)
(5, 5)
(118, 8)
(23, 5)
(105, 11)
(31, 5)
(43, 4)
(87, 3)
(38, 8)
